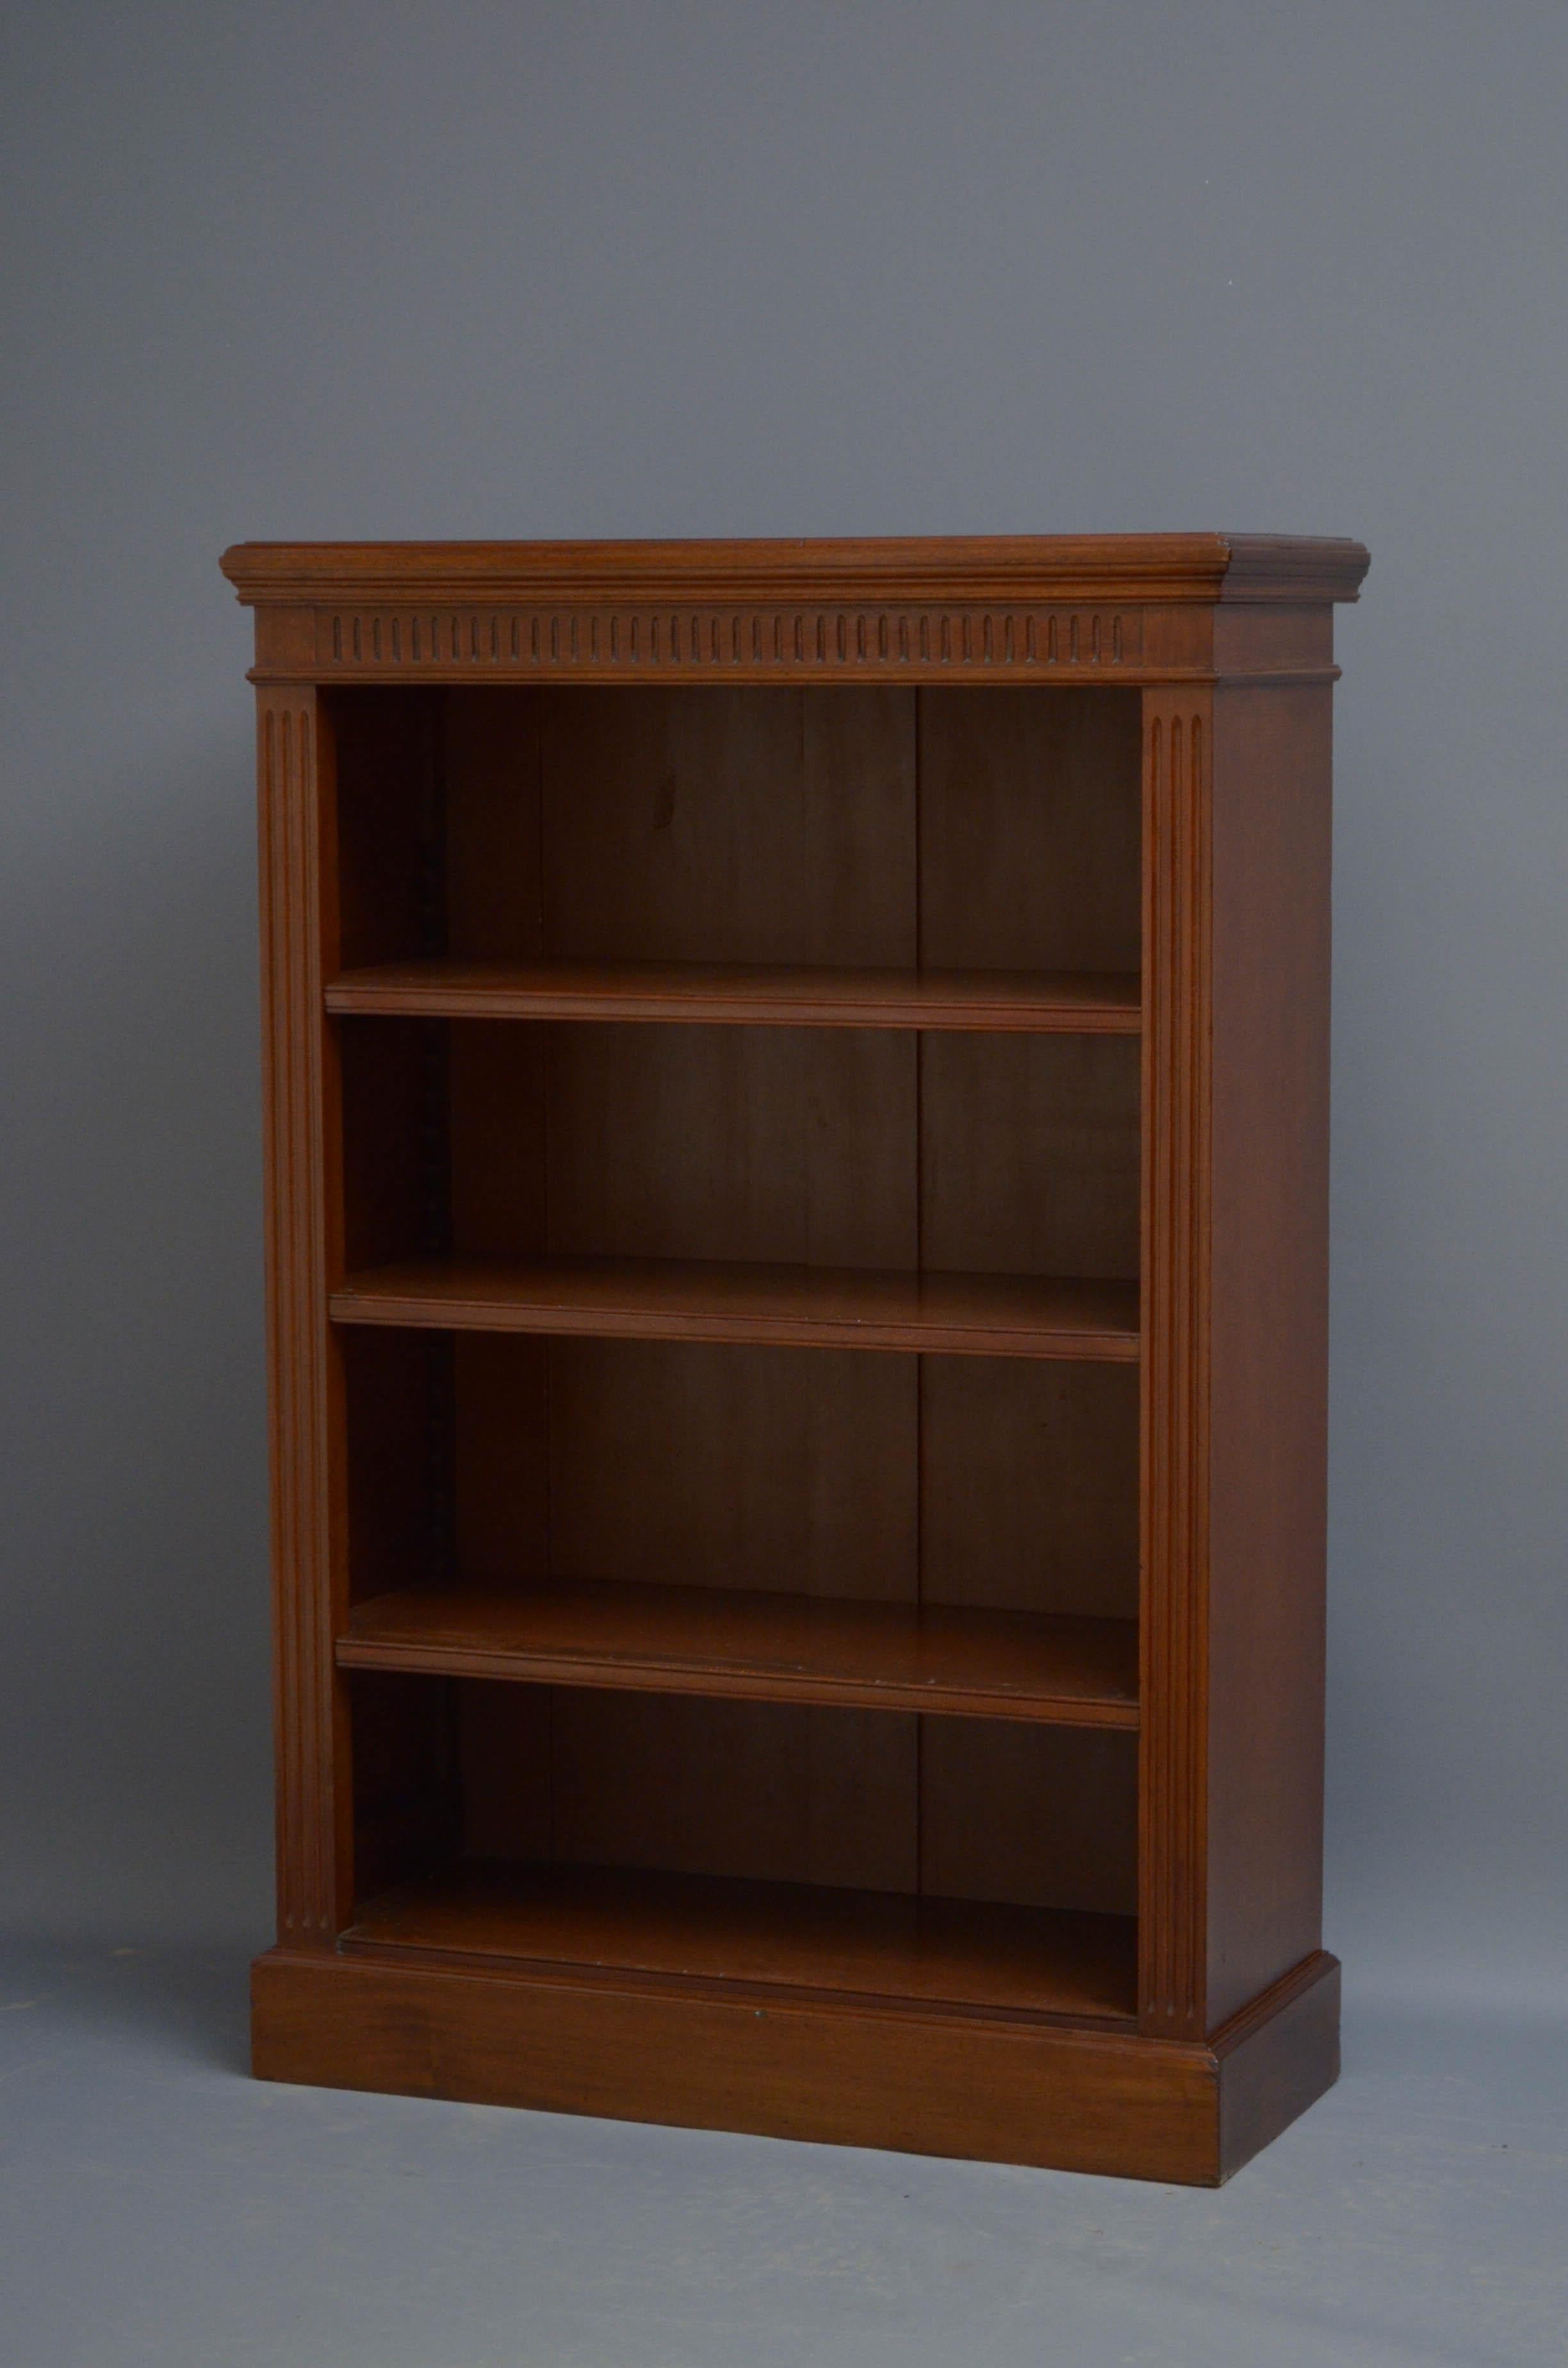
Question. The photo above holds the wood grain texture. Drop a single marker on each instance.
(788, 1146)
(674, 1299)
(1175, 1264)
(784, 1793)
(1199, 568)
(1236, 1051)
(1268, 1452)
(910, 2078)
(1276, 2057)
(1030, 828)
(1029, 1154)
(878, 1800)
(720, 826)
(775, 1936)
(1000, 1482)
(1028, 1485)
(1042, 1817)
(397, 1388)
(497, 1119)
(992, 609)
(968, 902)
(683, 1464)
(504, 1438)
(387, 762)
(494, 853)
(392, 1094)
(504, 1741)
(407, 1797)
(298, 940)
(764, 1646)
(756, 995)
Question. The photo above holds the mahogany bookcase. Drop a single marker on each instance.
(797, 1116)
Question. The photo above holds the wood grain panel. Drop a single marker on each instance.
(392, 1089)
(503, 1425)
(911, 2081)
(684, 1785)
(741, 1788)
(504, 1738)
(494, 883)
(1029, 829)
(1029, 1486)
(499, 1129)
(1269, 1337)
(1044, 1816)
(915, 2080)
(719, 826)
(406, 1807)
(1029, 1160)
(735, 1467)
(1270, 639)
(397, 1397)
(388, 823)
(786, 1145)
(1277, 2057)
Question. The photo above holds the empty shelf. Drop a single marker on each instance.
(885, 1945)
(762, 1646)
(673, 1299)
(754, 996)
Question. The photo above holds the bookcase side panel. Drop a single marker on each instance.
(1174, 1627)
(1268, 1335)
(298, 910)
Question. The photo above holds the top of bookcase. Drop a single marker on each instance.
(1113, 610)
(1298, 569)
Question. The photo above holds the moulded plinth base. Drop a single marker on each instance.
(984, 2087)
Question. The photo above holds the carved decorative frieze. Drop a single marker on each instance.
(692, 643)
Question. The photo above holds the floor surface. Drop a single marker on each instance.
(158, 2206)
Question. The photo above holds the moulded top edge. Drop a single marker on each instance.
(1127, 568)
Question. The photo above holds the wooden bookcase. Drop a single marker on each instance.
(797, 1094)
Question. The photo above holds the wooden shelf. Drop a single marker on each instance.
(1061, 1002)
(784, 1936)
(798, 1306)
(762, 1646)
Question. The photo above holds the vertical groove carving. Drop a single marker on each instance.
(596, 642)
(310, 1794)
(1173, 1807)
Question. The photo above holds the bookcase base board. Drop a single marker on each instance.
(975, 2086)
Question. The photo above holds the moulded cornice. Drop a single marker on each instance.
(1130, 568)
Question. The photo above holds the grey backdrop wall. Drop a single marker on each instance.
(634, 266)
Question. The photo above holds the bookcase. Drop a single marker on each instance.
(796, 1082)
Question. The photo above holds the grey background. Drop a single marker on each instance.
(751, 266)
(707, 269)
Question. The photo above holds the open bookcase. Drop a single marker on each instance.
(796, 1099)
